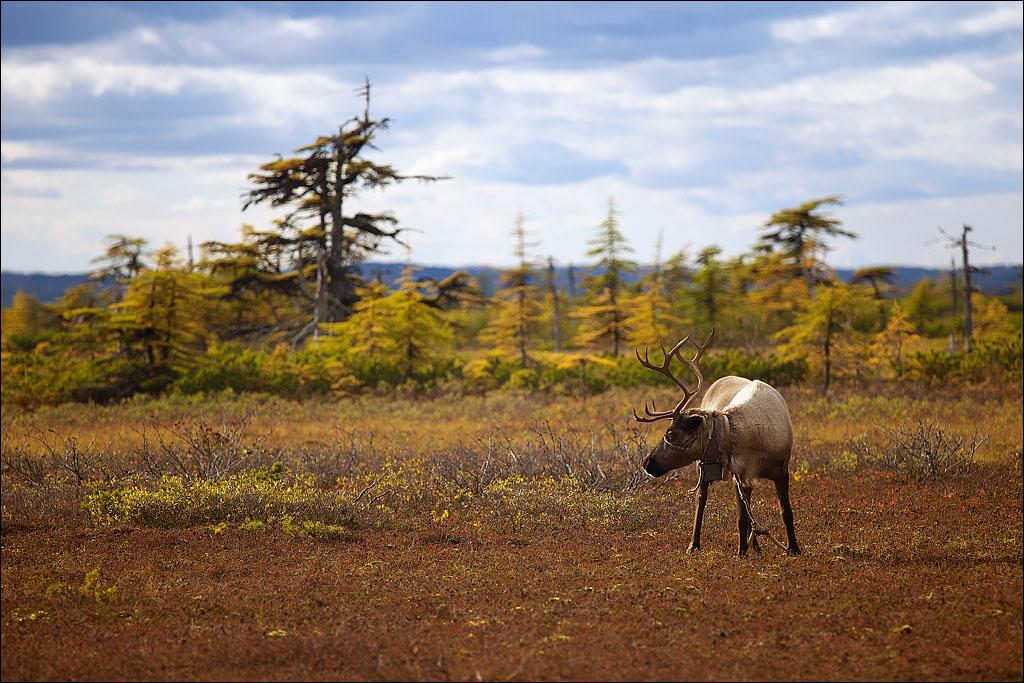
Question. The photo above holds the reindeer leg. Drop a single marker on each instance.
(743, 522)
(746, 524)
(782, 488)
(700, 500)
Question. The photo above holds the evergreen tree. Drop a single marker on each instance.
(890, 346)
(316, 186)
(799, 235)
(603, 318)
(516, 308)
(824, 333)
(398, 331)
(651, 321)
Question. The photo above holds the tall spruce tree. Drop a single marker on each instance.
(603, 317)
(516, 308)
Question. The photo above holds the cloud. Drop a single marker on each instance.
(901, 22)
(514, 53)
(163, 120)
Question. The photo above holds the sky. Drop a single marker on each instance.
(700, 119)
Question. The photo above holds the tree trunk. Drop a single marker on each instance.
(828, 350)
(340, 294)
(954, 285)
(521, 325)
(556, 309)
(968, 322)
(616, 322)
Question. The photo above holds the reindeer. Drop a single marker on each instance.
(742, 427)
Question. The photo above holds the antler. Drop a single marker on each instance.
(652, 413)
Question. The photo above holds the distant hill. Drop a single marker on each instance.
(46, 287)
(43, 286)
(993, 280)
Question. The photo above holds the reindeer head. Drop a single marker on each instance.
(688, 435)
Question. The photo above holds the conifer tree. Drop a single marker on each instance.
(603, 317)
(890, 346)
(516, 308)
(824, 333)
(266, 276)
(799, 235)
(27, 322)
(651, 321)
(924, 305)
(124, 258)
(316, 186)
(398, 330)
(554, 305)
(164, 314)
(774, 297)
(709, 285)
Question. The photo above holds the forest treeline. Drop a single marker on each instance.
(284, 310)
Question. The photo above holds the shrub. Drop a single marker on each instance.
(925, 451)
(246, 498)
(225, 366)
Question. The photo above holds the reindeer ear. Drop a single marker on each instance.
(693, 422)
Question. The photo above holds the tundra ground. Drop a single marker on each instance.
(900, 578)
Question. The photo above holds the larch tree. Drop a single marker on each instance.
(603, 316)
(800, 235)
(516, 306)
(710, 285)
(880, 279)
(399, 330)
(553, 304)
(26, 322)
(316, 186)
(775, 296)
(264, 296)
(164, 314)
(651, 321)
(824, 332)
(123, 259)
(890, 346)
(924, 306)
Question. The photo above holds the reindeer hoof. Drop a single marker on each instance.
(794, 550)
(692, 549)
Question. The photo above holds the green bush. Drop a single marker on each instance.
(988, 359)
(239, 368)
(43, 377)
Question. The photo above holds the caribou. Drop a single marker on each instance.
(742, 428)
